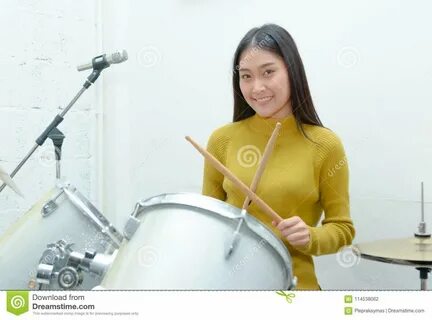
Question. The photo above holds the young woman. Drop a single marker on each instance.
(307, 172)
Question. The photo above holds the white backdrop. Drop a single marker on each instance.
(368, 66)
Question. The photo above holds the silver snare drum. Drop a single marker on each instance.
(181, 240)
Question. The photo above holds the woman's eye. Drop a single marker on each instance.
(268, 72)
(245, 76)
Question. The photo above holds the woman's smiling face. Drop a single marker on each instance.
(264, 83)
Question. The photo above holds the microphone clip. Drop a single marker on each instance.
(100, 62)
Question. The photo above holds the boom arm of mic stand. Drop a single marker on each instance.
(55, 122)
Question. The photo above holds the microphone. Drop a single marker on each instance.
(104, 61)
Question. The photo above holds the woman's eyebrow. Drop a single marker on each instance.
(266, 64)
(260, 67)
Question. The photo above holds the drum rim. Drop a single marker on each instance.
(228, 211)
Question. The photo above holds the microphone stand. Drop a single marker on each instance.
(98, 65)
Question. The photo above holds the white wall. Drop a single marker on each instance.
(369, 69)
(42, 44)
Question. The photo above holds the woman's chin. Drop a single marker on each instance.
(264, 113)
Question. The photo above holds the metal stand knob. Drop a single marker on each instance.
(69, 278)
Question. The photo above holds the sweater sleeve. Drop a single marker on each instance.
(337, 228)
(213, 179)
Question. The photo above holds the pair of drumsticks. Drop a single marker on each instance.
(249, 192)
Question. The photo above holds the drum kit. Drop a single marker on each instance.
(64, 242)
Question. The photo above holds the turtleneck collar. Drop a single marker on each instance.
(267, 125)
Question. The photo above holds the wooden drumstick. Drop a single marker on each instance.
(267, 152)
(227, 173)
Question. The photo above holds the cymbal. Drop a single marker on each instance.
(9, 182)
(415, 251)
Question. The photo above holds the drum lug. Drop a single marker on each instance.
(236, 236)
(133, 222)
(139, 207)
(293, 283)
(51, 205)
(131, 227)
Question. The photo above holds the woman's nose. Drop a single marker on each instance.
(258, 86)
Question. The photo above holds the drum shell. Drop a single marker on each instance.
(23, 244)
(182, 242)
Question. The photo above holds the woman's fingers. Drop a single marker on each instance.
(294, 230)
(298, 238)
(287, 223)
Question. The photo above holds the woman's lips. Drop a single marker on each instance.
(263, 99)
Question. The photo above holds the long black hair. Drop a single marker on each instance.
(276, 39)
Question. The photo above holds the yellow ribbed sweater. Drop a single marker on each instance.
(302, 178)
